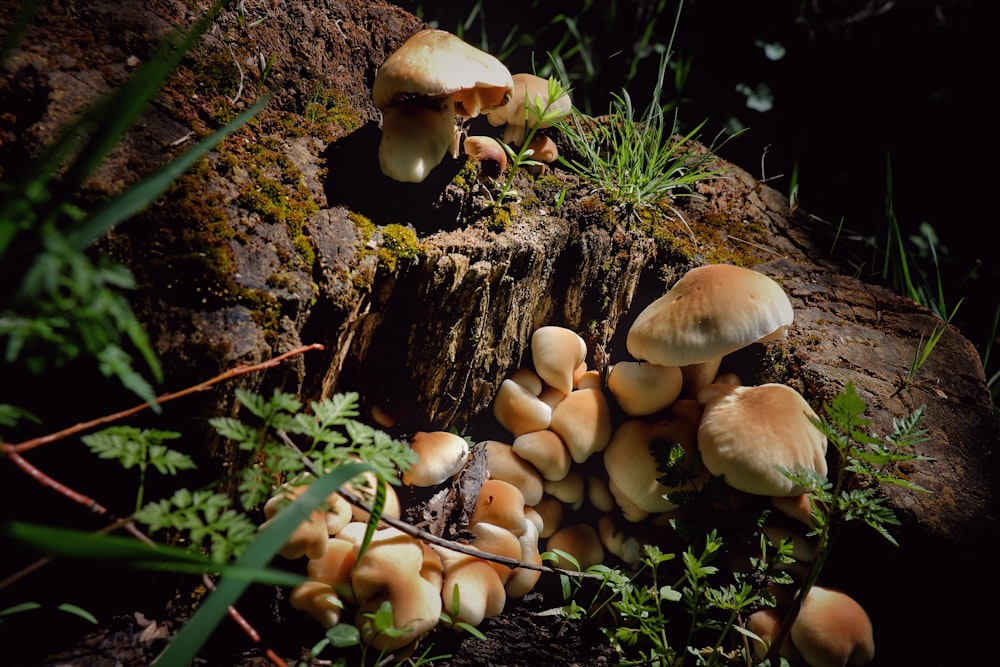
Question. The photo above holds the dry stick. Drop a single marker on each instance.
(129, 525)
(431, 538)
(13, 452)
(204, 386)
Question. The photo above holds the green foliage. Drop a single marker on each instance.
(207, 520)
(638, 160)
(131, 446)
(671, 610)
(544, 112)
(293, 443)
(71, 609)
(190, 639)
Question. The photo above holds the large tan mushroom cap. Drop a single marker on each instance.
(746, 433)
(711, 311)
(583, 421)
(833, 630)
(436, 63)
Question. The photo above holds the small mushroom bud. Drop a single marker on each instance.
(489, 153)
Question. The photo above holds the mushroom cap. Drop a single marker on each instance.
(642, 388)
(832, 630)
(518, 409)
(583, 421)
(436, 63)
(546, 451)
(711, 311)
(480, 592)
(556, 353)
(528, 91)
(631, 467)
(440, 456)
(747, 432)
(579, 540)
(310, 537)
(503, 463)
(395, 567)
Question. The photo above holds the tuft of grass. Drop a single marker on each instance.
(638, 159)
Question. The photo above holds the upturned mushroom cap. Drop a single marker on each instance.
(832, 630)
(746, 433)
(711, 311)
(436, 63)
(440, 456)
(529, 92)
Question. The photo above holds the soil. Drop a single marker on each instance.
(223, 282)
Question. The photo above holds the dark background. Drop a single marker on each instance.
(870, 103)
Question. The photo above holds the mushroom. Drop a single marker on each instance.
(475, 585)
(832, 630)
(632, 469)
(583, 421)
(546, 451)
(641, 389)
(519, 409)
(310, 537)
(522, 579)
(440, 456)
(581, 541)
(421, 88)
(488, 152)
(403, 571)
(556, 353)
(748, 432)
(502, 504)
(710, 312)
(530, 93)
(502, 462)
(543, 148)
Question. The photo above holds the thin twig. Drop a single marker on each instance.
(160, 400)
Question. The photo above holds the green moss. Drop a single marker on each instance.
(277, 193)
(500, 220)
(328, 115)
(398, 242)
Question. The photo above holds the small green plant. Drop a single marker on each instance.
(689, 610)
(546, 112)
(638, 160)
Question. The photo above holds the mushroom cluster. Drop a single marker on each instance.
(434, 83)
(578, 474)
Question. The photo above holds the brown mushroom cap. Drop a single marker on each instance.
(832, 630)
(746, 433)
(711, 311)
(556, 353)
(642, 388)
(436, 63)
